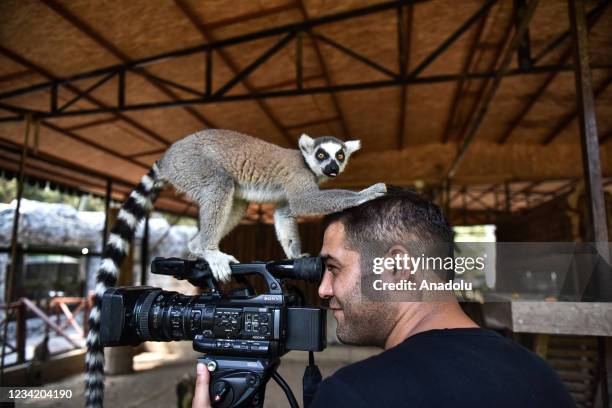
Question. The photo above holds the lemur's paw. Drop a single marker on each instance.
(372, 192)
(195, 250)
(293, 250)
(304, 255)
(219, 264)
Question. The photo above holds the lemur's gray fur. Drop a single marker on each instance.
(222, 171)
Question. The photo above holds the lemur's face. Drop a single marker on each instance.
(327, 156)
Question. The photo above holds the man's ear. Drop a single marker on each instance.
(306, 143)
(352, 146)
(402, 270)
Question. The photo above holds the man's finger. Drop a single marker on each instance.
(201, 399)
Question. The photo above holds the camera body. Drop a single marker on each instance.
(263, 326)
(243, 334)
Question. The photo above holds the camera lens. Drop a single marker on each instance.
(164, 316)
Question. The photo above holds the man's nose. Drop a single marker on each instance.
(325, 288)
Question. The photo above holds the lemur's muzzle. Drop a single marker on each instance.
(331, 170)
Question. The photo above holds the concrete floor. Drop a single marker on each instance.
(154, 381)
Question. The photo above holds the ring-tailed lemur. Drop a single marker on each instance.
(222, 171)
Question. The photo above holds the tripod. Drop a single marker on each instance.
(238, 382)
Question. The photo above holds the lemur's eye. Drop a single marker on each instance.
(340, 156)
(320, 155)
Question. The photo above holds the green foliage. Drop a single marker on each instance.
(8, 192)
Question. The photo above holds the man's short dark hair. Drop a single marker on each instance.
(402, 216)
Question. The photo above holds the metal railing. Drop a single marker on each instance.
(57, 307)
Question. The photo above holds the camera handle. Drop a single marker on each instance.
(241, 381)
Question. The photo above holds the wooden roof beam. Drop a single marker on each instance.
(291, 82)
(147, 153)
(606, 136)
(483, 85)
(569, 118)
(325, 70)
(404, 38)
(313, 123)
(16, 75)
(250, 16)
(98, 146)
(107, 45)
(592, 20)
(14, 148)
(93, 123)
(459, 91)
(209, 37)
(592, 16)
(483, 105)
(72, 88)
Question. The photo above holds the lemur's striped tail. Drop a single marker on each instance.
(121, 235)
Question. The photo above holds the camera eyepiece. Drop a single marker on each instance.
(309, 269)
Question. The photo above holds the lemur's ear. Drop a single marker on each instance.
(306, 143)
(352, 146)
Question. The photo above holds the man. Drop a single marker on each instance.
(435, 355)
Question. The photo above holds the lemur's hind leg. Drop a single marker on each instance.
(207, 184)
(287, 231)
(215, 199)
(239, 207)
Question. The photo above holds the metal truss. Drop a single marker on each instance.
(289, 34)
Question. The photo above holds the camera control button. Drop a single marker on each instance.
(195, 319)
(264, 318)
(263, 328)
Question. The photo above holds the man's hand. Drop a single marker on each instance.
(201, 399)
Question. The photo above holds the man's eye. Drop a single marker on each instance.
(332, 268)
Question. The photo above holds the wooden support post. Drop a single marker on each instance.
(464, 204)
(496, 199)
(597, 228)
(107, 200)
(508, 198)
(524, 48)
(299, 61)
(10, 272)
(58, 319)
(208, 74)
(588, 129)
(85, 318)
(21, 333)
(144, 252)
(448, 198)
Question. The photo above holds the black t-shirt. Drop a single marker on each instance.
(469, 367)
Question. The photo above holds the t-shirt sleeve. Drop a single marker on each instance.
(334, 392)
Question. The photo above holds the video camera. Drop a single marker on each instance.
(242, 333)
